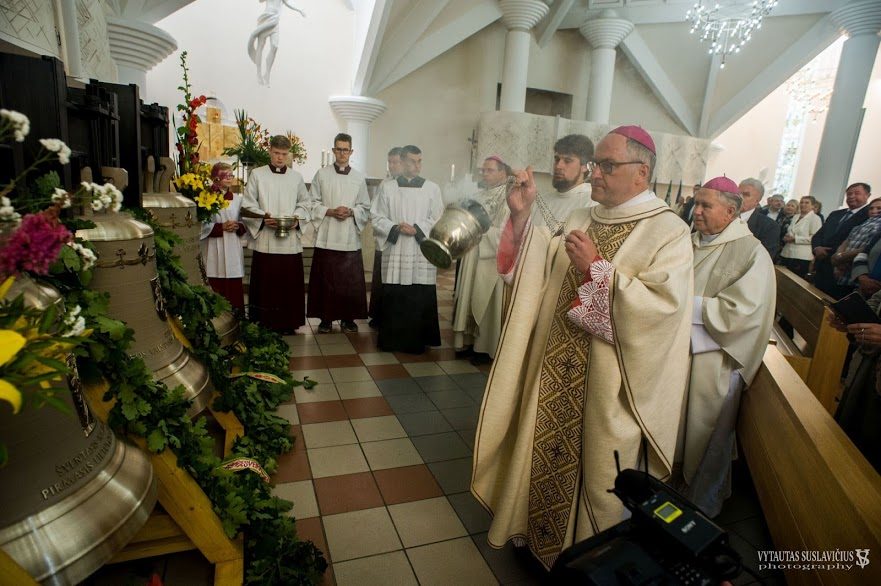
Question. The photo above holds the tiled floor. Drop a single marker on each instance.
(381, 466)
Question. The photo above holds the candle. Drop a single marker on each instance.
(452, 173)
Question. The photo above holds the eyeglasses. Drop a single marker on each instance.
(341, 151)
(488, 170)
(608, 167)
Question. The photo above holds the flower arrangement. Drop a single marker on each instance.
(187, 135)
(198, 186)
(298, 149)
(253, 147)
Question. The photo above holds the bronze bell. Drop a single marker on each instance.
(126, 269)
(73, 494)
(178, 214)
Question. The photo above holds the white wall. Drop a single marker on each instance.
(314, 62)
(753, 142)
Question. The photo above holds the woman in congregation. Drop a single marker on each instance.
(796, 254)
(221, 242)
(789, 212)
(856, 242)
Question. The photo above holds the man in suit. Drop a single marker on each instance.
(774, 209)
(835, 230)
(766, 230)
(686, 212)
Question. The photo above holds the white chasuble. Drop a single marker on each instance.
(560, 205)
(560, 401)
(735, 287)
(223, 256)
(331, 190)
(280, 194)
(402, 261)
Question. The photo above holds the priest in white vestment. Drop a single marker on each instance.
(593, 356)
(477, 319)
(393, 169)
(340, 210)
(276, 296)
(734, 300)
(403, 214)
(221, 244)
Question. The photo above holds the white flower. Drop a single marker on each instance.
(105, 199)
(57, 146)
(75, 327)
(4, 201)
(19, 123)
(87, 257)
(96, 205)
(61, 196)
(115, 206)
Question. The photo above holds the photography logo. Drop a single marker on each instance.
(827, 560)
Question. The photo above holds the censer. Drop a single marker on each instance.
(178, 214)
(457, 231)
(126, 268)
(73, 494)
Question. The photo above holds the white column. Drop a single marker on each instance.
(137, 47)
(358, 112)
(74, 60)
(604, 34)
(519, 17)
(861, 22)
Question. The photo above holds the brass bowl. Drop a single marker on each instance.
(285, 225)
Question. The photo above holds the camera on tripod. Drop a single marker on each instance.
(667, 540)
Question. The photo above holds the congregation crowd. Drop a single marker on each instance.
(614, 322)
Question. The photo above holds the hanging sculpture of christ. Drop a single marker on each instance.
(267, 29)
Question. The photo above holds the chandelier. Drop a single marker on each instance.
(727, 28)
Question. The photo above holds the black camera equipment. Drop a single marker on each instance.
(667, 540)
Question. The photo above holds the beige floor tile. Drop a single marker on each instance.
(456, 366)
(423, 369)
(301, 351)
(337, 349)
(288, 412)
(329, 339)
(302, 494)
(392, 453)
(358, 390)
(320, 392)
(426, 521)
(337, 460)
(360, 533)
(300, 340)
(450, 562)
(349, 374)
(388, 569)
(378, 358)
(373, 429)
(319, 375)
(332, 433)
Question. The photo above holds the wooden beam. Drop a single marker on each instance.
(480, 14)
(369, 52)
(799, 54)
(645, 62)
(547, 27)
(406, 33)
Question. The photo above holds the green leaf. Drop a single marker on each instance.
(156, 441)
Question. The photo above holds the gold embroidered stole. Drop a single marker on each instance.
(556, 451)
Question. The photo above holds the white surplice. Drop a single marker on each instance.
(330, 190)
(280, 194)
(223, 255)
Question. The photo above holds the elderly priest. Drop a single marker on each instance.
(593, 357)
(735, 291)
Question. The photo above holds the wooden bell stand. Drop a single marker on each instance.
(189, 521)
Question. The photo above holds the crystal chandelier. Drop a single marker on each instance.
(727, 28)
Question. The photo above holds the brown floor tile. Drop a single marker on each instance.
(296, 434)
(367, 407)
(484, 367)
(321, 412)
(384, 371)
(307, 362)
(312, 530)
(349, 492)
(292, 467)
(404, 358)
(442, 354)
(364, 345)
(410, 483)
(343, 361)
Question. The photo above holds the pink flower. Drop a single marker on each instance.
(34, 245)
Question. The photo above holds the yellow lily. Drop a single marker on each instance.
(10, 343)
(4, 288)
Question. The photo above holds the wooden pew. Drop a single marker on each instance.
(816, 490)
(804, 306)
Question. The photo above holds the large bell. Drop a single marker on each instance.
(126, 269)
(178, 214)
(73, 494)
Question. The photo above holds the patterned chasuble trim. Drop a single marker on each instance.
(556, 451)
